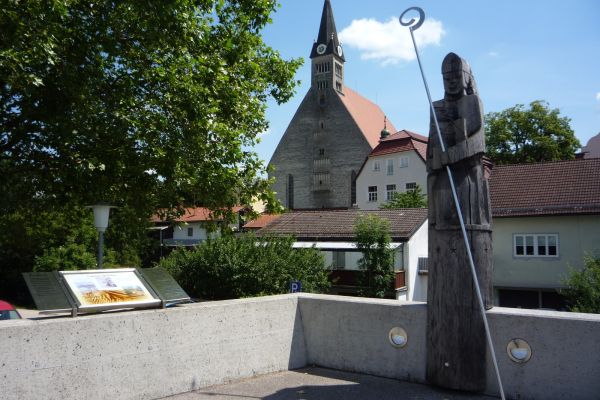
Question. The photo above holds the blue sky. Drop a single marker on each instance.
(519, 51)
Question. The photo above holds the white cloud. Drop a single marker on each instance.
(493, 54)
(389, 42)
(598, 96)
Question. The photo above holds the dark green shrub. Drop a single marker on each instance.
(233, 267)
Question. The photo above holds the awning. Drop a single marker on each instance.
(336, 245)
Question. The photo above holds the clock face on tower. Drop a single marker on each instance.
(340, 51)
(321, 48)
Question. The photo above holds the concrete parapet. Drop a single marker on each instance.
(149, 354)
(156, 353)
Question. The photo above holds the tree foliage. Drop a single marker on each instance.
(527, 135)
(139, 103)
(233, 267)
(49, 240)
(583, 287)
(413, 198)
(377, 263)
(145, 105)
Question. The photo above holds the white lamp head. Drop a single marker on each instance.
(101, 213)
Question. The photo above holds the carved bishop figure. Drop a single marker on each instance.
(456, 345)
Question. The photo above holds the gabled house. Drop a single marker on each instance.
(332, 232)
(396, 164)
(546, 218)
(195, 226)
(333, 130)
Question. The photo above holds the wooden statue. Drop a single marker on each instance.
(456, 343)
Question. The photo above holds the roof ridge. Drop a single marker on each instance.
(575, 160)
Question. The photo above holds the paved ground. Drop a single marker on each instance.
(322, 384)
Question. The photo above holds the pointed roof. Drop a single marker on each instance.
(327, 33)
(367, 115)
(402, 141)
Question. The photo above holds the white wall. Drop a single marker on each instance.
(415, 172)
(181, 232)
(577, 235)
(200, 233)
(415, 248)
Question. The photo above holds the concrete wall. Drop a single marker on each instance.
(415, 172)
(352, 335)
(149, 354)
(156, 353)
(577, 235)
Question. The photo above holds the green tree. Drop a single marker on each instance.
(233, 267)
(527, 135)
(145, 105)
(377, 263)
(140, 103)
(583, 287)
(413, 198)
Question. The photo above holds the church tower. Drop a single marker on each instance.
(333, 131)
(327, 55)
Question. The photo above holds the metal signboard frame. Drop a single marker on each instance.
(109, 289)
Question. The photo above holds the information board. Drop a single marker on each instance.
(107, 289)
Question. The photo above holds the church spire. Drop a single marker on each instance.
(327, 42)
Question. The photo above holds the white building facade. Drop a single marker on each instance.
(397, 164)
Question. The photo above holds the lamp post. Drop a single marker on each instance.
(101, 214)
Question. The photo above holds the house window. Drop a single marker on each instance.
(372, 193)
(403, 161)
(411, 186)
(338, 86)
(376, 166)
(190, 232)
(390, 190)
(321, 152)
(535, 245)
(390, 167)
(339, 259)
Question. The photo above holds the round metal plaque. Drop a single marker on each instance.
(398, 337)
(518, 351)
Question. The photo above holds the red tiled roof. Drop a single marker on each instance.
(367, 115)
(262, 221)
(402, 141)
(552, 188)
(194, 214)
(338, 225)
